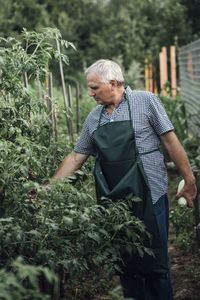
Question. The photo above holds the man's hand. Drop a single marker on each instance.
(70, 164)
(189, 192)
(37, 191)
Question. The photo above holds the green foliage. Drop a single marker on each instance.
(116, 294)
(65, 228)
(133, 74)
(62, 229)
(192, 147)
(175, 109)
(106, 29)
(182, 219)
(177, 114)
(23, 281)
(31, 55)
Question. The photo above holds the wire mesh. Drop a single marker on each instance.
(189, 75)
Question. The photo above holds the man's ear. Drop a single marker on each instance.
(113, 82)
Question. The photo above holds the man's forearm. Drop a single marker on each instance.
(70, 164)
(179, 157)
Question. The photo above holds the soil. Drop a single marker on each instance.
(184, 286)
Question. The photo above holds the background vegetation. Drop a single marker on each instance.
(127, 31)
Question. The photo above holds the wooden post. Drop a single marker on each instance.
(39, 87)
(53, 113)
(47, 87)
(146, 74)
(78, 119)
(173, 71)
(25, 78)
(151, 77)
(49, 101)
(164, 50)
(155, 85)
(63, 85)
(9, 100)
(70, 113)
(163, 70)
(55, 123)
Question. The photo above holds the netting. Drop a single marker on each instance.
(189, 74)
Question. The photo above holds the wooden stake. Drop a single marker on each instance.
(155, 86)
(173, 71)
(49, 100)
(63, 85)
(55, 123)
(150, 77)
(146, 74)
(163, 70)
(39, 88)
(70, 113)
(78, 119)
(25, 78)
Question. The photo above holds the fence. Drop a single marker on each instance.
(189, 74)
(167, 71)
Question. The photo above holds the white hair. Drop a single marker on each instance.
(106, 70)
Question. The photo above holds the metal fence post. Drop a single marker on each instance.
(196, 211)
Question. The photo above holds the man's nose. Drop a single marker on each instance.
(91, 93)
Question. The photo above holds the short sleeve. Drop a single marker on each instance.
(85, 143)
(158, 117)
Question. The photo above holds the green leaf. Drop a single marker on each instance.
(94, 236)
(68, 221)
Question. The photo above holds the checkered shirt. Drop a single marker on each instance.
(149, 122)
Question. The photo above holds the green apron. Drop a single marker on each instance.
(118, 172)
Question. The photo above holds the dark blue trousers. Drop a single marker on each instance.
(140, 288)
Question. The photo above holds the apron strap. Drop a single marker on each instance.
(129, 110)
(100, 117)
(148, 152)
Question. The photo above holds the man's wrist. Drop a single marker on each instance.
(190, 179)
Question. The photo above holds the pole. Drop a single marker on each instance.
(151, 77)
(25, 78)
(50, 104)
(63, 84)
(163, 70)
(70, 113)
(146, 74)
(196, 211)
(173, 70)
(78, 121)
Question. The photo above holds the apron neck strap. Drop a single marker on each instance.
(128, 101)
(100, 117)
(129, 109)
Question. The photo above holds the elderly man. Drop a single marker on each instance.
(124, 132)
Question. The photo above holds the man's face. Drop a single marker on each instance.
(101, 92)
